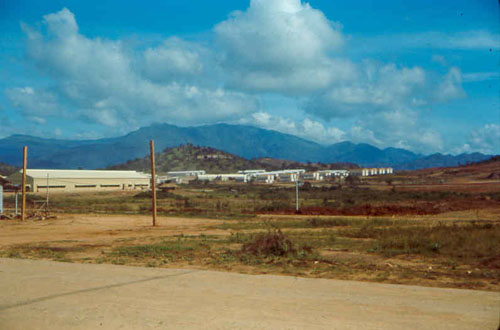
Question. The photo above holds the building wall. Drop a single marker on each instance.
(86, 184)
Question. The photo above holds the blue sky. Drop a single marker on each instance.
(421, 75)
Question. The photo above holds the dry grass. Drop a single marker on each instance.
(464, 255)
(436, 249)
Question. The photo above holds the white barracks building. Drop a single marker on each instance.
(82, 180)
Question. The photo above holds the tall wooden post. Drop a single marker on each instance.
(23, 184)
(297, 195)
(153, 179)
(47, 196)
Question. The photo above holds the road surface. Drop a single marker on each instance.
(52, 295)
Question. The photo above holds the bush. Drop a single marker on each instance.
(270, 244)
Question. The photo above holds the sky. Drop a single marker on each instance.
(420, 75)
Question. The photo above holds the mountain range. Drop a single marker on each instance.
(245, 141)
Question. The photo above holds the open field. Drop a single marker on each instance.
(387, 229)
(444, 251)
(226, 200)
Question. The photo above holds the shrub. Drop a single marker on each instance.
(273, 243)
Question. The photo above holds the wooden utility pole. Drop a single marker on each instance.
(153, 179)
(23, 184)
(47, 196)
(297, 195)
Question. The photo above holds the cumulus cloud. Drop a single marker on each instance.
(386, 88)
(484, 139)
(33, 103)
(281, 45)
(402, 129)
(397, 128)
(99, 79)
(173, 60)
(451, 86)
(278, 47)
(377, 87)
(306, 128)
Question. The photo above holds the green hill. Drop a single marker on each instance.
(191, 157)
(7, 170)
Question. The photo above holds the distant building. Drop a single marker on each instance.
(372, 171)
(207, 177)
(185, 173)
(251, 171)
(81, 180)
(214, 156)
(237, 177)
(288, 177)
(312, 176)
(330, 173)
(265, 178)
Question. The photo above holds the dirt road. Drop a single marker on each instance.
(51, 295)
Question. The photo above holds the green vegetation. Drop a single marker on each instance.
(468, 242)
(190, 157)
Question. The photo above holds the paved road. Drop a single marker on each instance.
(51, 295)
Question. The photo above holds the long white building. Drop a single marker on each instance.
(81, 180)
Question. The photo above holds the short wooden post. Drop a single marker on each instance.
(153, 179)
(23, 184)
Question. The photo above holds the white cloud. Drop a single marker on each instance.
(485, 139)
(397, 128)
(451, 86)
(402, 129)
(174, 59)
(99, 79)
(33, 103)
(479, 39)
(306, 128)
(378, 87)
(439, 59)
(480, 76)
(283, 46)
(465, 40)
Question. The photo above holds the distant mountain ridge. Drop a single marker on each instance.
(245, 141)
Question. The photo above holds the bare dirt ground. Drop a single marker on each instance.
(88, 228)
(52, 295)
(198, 243)
(105, 229)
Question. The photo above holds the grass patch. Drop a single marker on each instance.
(468, 242)
(163, 249)
(55, 253)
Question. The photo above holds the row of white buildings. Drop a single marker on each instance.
(38, 180)
(269, 177)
